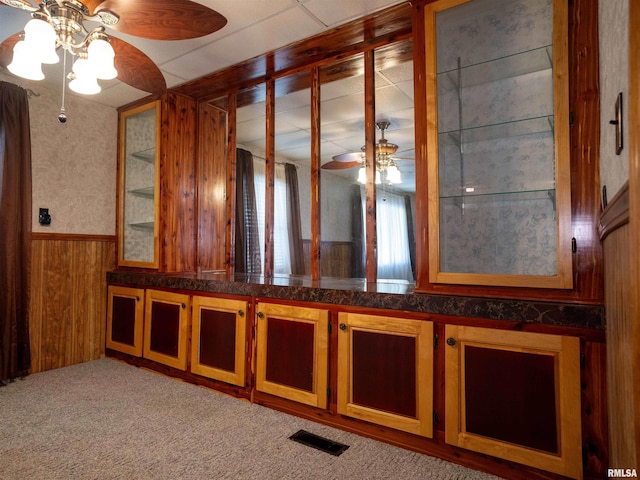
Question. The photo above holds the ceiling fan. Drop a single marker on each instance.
(384, 156)
(65, 20)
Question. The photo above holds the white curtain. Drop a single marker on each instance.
(394, 259)
(282, 259)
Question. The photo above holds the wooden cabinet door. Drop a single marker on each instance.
(218, 333)
(292, 353)
(124, 319)
(166, 327)
(385, 371)
(515, 395)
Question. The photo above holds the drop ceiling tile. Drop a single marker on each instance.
(249, 112)
(336, 12)
(274, 32)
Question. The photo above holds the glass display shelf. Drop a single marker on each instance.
(490, 197)
(495, 131)
(147, 192)
(142, 225)
(501, 68)
(148, 155)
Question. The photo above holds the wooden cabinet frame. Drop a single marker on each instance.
(319, 319)
(422, 332)
(239, 309)
(566, 353)
(137, 295)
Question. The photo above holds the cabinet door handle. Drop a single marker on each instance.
(451, 341)
(137, 298)
(183, 306)
(240, 313)
(260, 315)
(343, 327)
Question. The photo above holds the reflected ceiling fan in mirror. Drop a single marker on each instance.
(60, 24)
(386, 167)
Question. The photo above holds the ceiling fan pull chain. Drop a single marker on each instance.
(62, 116)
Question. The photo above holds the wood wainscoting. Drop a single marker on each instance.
(68, 294)
(622, 331)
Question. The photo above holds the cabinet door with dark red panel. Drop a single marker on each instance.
(166, 324)
(292, 353)
(124, 319)
(385, 371)
(218, 338)
(515, 395)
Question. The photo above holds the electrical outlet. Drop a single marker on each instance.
(44, 218)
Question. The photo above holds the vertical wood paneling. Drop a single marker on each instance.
(68, 300)
(212, 179)
(177, 184)
(622, 345)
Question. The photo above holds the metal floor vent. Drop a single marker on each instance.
(321, 443)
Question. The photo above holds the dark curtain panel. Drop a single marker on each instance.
(411, 233)
(247, 248)
(293, 220)
(15, 231)
(357, 234)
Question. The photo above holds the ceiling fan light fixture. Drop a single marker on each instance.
(25, 62)
(101, 57)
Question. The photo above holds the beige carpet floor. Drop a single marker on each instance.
(109, 420)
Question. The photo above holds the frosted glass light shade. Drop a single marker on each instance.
(25, 62)
(362, 175)
(393, 174)
(85, 81)
(101, 57)
(41, 37)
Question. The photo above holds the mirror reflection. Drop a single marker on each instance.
(342, 191)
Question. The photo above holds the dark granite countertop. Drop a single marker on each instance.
(393, 295)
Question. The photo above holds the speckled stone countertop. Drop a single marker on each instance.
(393, 295)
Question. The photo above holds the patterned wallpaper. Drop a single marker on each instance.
(614, 78)
(73, 164)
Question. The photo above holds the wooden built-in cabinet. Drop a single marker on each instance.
(292, 352)
(125, 310)
(218, 338)
(156, 185)
(385, 371)
(515, 395)
(166, 328)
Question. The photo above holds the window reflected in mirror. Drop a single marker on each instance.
(395, 162)
(292, 182)
(250, 181)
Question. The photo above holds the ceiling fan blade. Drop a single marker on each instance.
(340, 165)
(163, 19)
(136, 69)
(21, 4)
(6, 49)
(349, 157)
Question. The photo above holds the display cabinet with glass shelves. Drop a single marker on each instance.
(138, 180)
(498, 150)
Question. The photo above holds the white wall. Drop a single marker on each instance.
(73, 164)
(614, 78)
